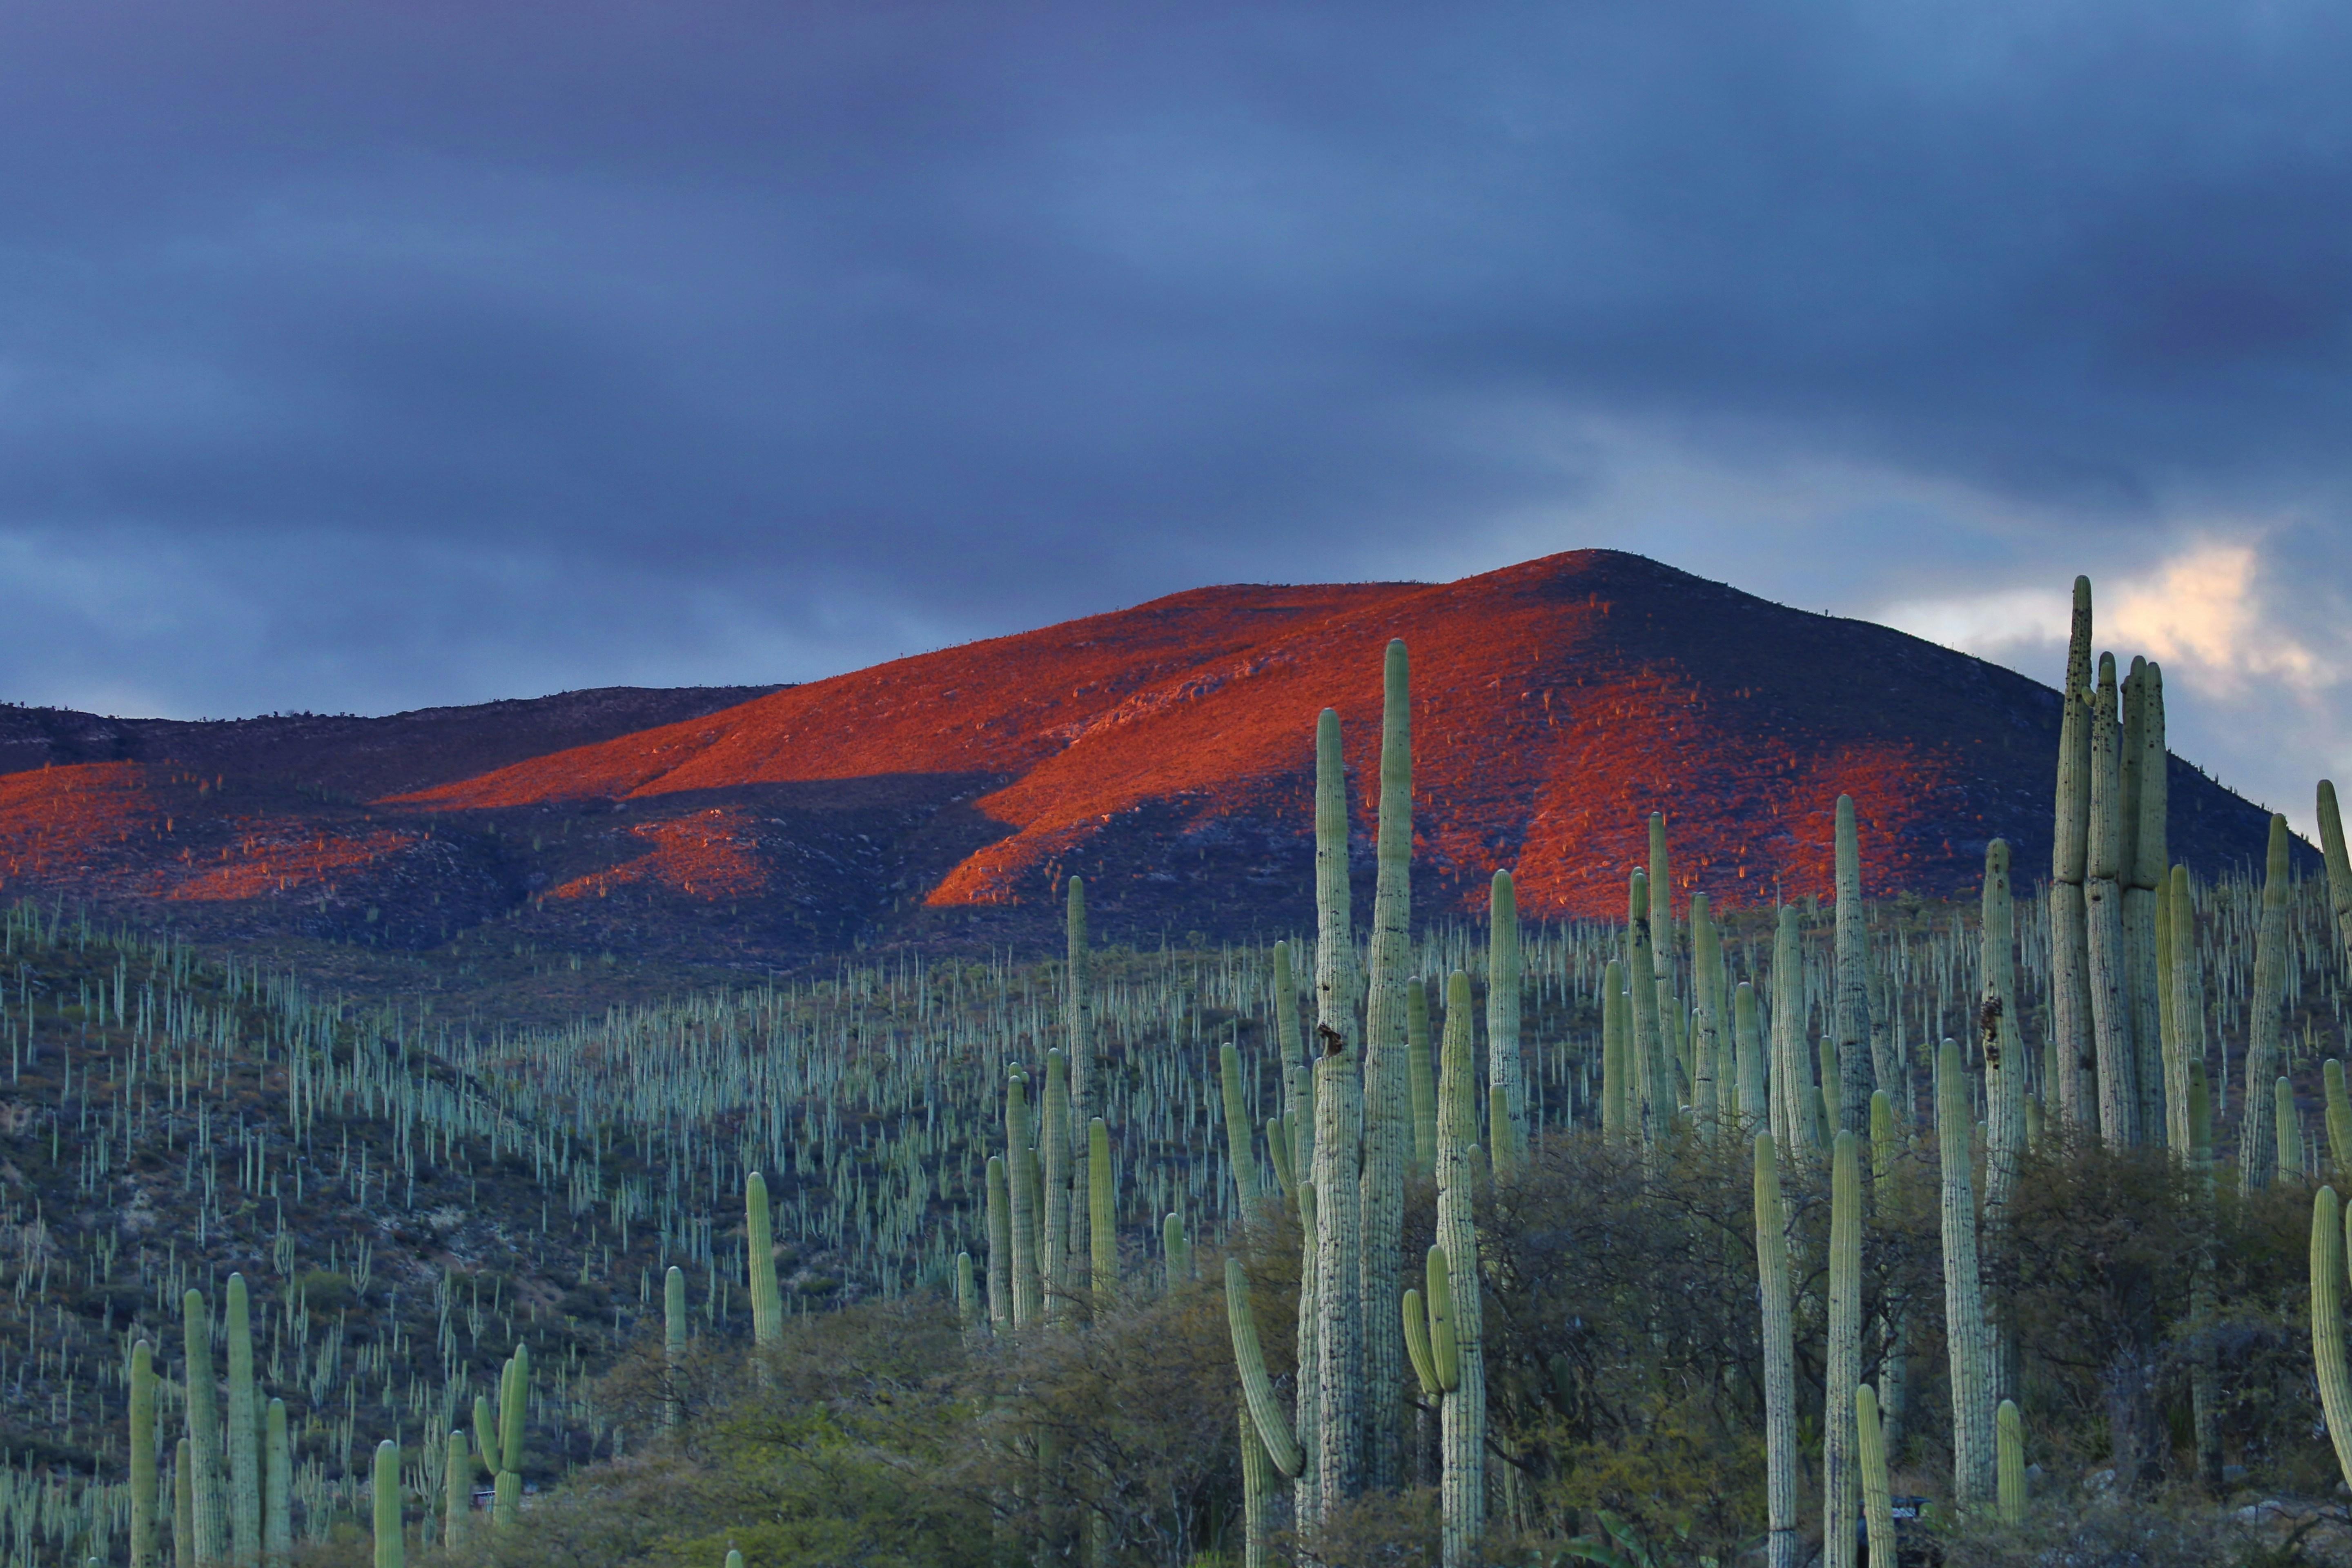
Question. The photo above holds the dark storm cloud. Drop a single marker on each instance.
(375, 355)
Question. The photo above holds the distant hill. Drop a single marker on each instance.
(1163, 752)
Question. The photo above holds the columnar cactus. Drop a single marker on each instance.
(1028, 1299)
(1885, 1178)
(1616, 1039)
(143, 1456)
(1796, 1108)
(1755, 1094)
(2008, 1429)
(1423, 1075)
(2339, 865)
(1877, 1495)
(2328, 1275)
(1964, 1315)
(1387, 1106)
(458, 1493)
(1257, 1493)
(2005, 1053)
(184, 1504)
(203, 1429)
(2289, 1126)
(2144, 869)
(277, 1488)
(2070, 955)
(1850, 1017)
(1844, 1367)
(760, 1255)
(2187, 985)
(1464, 1416)
(1078, 1027)
(1102, 1211)
(2340, 1116)
(1504, 1070)
(1000, 1246)
(1306, 1496)
(1709, 1094)
(244, 1431)
(1653, 1087)
(2257, 1139)
(1335, 938)
(674, 1341)
(1054, 1179)
(514, 1404)
(390, 1551)
(1338, 1279)
(1240, 1148)
(2111, 1021)
(1176, 1249)
(1781, 1540)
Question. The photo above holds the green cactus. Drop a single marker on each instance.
(1796, 1106)
(2340, 866)
(2008, 1428)
(1307, 1504)
(1241, 1152)
(1746, 1031)
(1102, 1211)
(1506, 1072)
(2072, 1042)
(458, 1494)
(1054, 1176)
(2340, 1116)
(1338, 1331)
(1850, 1016)
(1387, 1096)
(674, 1341)
(1830, 1081)
(143, 1456)
(2111, 1020)
(1462, 1418)
(1781, 1540)
(278, 1489)
(1078, 1044)
(1027, 1301)
(486, 1434)
(2289, 1126)
(2145, 871)
(184, 1504)
(1966, 1331)
(1258, 1489)
(1278, 1151)
(1652, 1086)
(2258, 1137)
(2328, 1276)
(243, 1438)
(2004, 1054)
(1886, 1177)
(1421, 1075)
(1000, 1246)
(1844, 1367)
(1263, 1409)
(204, 1429)
(514, 1403)
(1877, 1495)
(1616, 1030)
(2186, 1004)
(1176, 1250)
(1709, 1094)
(967, 1295)
(390, 1549)
(759, 1253)
(1334, 940)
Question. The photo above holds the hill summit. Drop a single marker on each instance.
(1163, 752)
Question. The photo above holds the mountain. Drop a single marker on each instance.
(1163, 752)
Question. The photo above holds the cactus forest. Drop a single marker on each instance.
(1845, 1226)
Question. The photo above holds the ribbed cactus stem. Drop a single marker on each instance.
(2111, 1020)
(2145, 870)
(1964, 1317)
(1463, 1419)
(1781, 1539)
(968, 1316)
(1078, 1044)
(2008, 1429)
(1886, 1177)
(244, 1430)
(1506, 1072)
(2328, 1276)
(184, 1504)
(514, 1406)
(1706, 1023)
(1176, 1250)
(2070, 959)
(1844, 1369)
(2340, 1116)
(1054, 1176)
(1877, 1495)
(1616, 1036)
(143, 1456)
(390, 1551)
(2258, 1138)
(1102, 1211)
(2187, 1002)
(204, 1429)
(1420, 1074)
(277, 1488)
(2004, 1054)
(1746, 1031)
(1796, 1106)
(2289, 1126)
(1388, 1102)
(1257, 1388)
(1653, 1088)
(1850, 1016)
(1240, 1150)
(673, 1344)
(1335, 940)
(1028, 1300)
(2338, 863)
(1257, 1496)
(1658, 904)
(485, 1432)
(1306, 1496)
(759, 1254)
(1339, 1280)
(1000, 1246)
(458, 1494)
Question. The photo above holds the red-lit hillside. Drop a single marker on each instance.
(1163, 752)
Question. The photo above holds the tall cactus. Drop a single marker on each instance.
(1796, 1109)
(1464, 1416)
(1844, 1366)
(1616, 1036)
(1336, 993)
(390, 1549)
(1653, 1087)
(2327, 1276)
(1308, 1494)
(759, 1254)
(1000, 1246)
(2111, 1021)
(1387, 1107)
(2070, 955)
(1755, 1092)
(1338, 1279)
(184, 1504)
(2289, 1127)
(1258, 1398)
(2145, 870)
(143, 1456)
(673, 1344)
(1054, 1182)
(2339, 865)
(1102, 1211)
(2010, 1437)
(2257, 1139)
(1850, 1017)
(1241, 1147)
(1877, 1495)
(1885, 1179)
(1079, 1046)
(1258, 1489)
(458, 1493)
(2186, 1004)
(514, 1406)
(244, 1431)
(277, 1488)
(1423, 1075)
(1028, 1299)
(1709, 1094)
(1504, 1071)
(2004, 1060)
(203, 1429)
(1964, 1315)
(2340, 1116)
(1781, 1539)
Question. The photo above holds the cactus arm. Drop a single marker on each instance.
(1877, 1496)
(2008, 1429)
(390, 1552)
(1965, 1327)
(1241, 1151)
(1416, 1344)
(514, 1406)
(1444, 1352)
(1257, 1388)
(759, 1254)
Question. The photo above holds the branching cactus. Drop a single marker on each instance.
(1707, 1089)
(458, 1494)
(1464, 1418)
(2339, 865)
(1054, 1179)
(2258, 1137)
(1028, 1299)
(1000, 1246)
(1885, 1188)
(1264, 1409)
(2144, 872)
(1796, 1106)
(514, 1406)
(1780, 1456)
(1339, 1280)
(2070, 956)
(1653, 1075)
(1335, 937)
(1755, 1092)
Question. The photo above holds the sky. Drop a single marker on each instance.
(359, 356)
